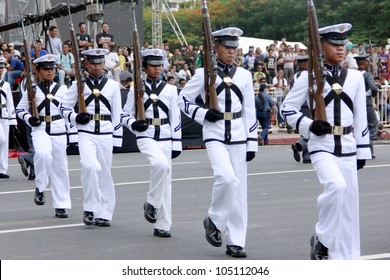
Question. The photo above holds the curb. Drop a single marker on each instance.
(282, 141)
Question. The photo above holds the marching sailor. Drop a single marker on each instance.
(363, 62)
(99, 130)
(301, 144)
(230, 136)
(158, 138)
(7, 118)
(48, 136)
(338, 147)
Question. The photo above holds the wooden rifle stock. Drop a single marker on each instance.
(30, 80)
(77, 62)
(371, 58)
(210, 65)
(139, 86)
(316, 62)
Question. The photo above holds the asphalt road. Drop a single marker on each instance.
(282, 212)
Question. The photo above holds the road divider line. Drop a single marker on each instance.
(40, 228)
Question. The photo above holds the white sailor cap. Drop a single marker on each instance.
(46, 61)
(302, 58)
(336, 34)
(362, 57)
(228, 36)
(153, 56)
(95, 56)
(3, 62)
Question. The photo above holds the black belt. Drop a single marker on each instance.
(97, 117)
(228, 116)
(157, 121)
(341, 130)
(49, 118)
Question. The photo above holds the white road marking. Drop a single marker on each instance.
(40, 228)
(125, 166)
(367, 257)
(196, 178)
(376, 257)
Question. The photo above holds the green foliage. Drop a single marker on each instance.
(272, 19)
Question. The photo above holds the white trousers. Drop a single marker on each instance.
(229, 205)
(115, 74)
(4, 133)
(158, 153)
(98, 186)
(51, 164)
(61, 77)
(338, 206)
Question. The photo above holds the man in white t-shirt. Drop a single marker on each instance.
(351, 60)
(53, 43)
(65, 64)
(112, 64)
(288, 64)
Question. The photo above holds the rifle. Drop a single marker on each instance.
(139, 85)
(316, 63)
(78, 71)
(31, 85)
(371, 58)
(210, 65)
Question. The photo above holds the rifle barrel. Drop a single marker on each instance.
(210, 65)
(30, 80)
(139, 86)
(315, 57)
(77, 61)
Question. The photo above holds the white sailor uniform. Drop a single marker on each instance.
(334, 156)
(96, 141)
(7, 118)
(50, 141)
(162, 136)
(227, 142)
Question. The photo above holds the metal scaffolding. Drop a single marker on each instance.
(158, 6)
(156, 23)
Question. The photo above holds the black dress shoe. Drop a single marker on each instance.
(32, 173)
(23, 165)
(161, 233)
(4, 176)
(39, 198)
(296, 154)
(102, 222)
(318, 250)
(150, 213)
(235, 251)
(213, 235)
(61, 213)
(88, 218)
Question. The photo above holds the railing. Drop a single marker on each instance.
(382, 106)
(277, 96)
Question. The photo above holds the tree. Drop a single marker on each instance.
(272, 19)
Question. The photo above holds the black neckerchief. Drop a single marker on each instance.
(45, 104)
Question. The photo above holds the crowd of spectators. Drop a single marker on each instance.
(275, 65)
(272, 69)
